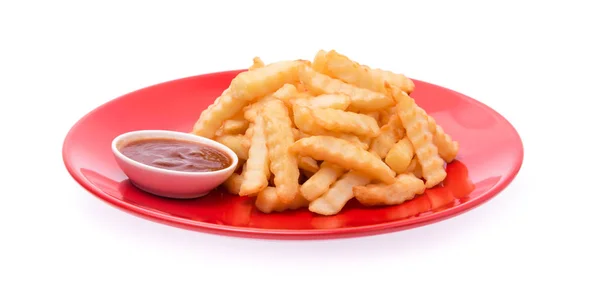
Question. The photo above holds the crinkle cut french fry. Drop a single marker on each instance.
(389, 134)
(399, 80)
(400, 155)
(304, 121)
(374, 115)
(345, 122)
(386, 115)
(353, 139)
(267, 201)
(406, 187)
(224, 107)
(344, 154)
(238, 143)
(301, 88)
(256, 176)
(308, 164)
(256, 63)
(339, 194)
(283, 163)
(331, 101)
(341, 67)
(319, 63)
(319, 183)
(254, 84)
(298, 134)
(286, 93)
(298, 202)
(232, 127)
(252, 111)
(307, 126)
(417, 130)
(447, 148)
(360, 99)
(415, 167)
(233, 183)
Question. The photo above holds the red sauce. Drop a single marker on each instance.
(178, 155)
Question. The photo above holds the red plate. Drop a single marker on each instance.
(490, 156)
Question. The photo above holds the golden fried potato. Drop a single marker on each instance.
(253, 110)
(320, 62)
(304, 121)
(257, 83)
(338, 195)
(256, 63)
(370, 138)
(298, 134)
(399, 157)
(211, 119)
(283, 163)
(319, 182)
(447, 148)
(362, 100)
(344, 154)
(345, 122)
(341, 67)
(233, 127)
(330, 101)
(398, 80)
(267, 201)
(404, 188)
(415, 167)
(417, 130)
(307, 126)
(238, 143)
(386, 115)
(374, 115)
(286, 93)
(389, 134)
(233, 183)
(308, 164)
(302, 89)
(256, 175)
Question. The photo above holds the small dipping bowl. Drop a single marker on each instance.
(171, 183)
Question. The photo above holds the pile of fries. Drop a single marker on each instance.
(319, 134)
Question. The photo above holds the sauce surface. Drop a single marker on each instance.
(177, 155)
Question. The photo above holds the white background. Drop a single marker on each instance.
(537, 63)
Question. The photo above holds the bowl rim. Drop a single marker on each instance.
(142, 134)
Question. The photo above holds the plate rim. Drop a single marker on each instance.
(291, 234)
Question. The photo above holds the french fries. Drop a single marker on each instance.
(417, 131)
(315, 135)
(233, 127)
(256, 175)
(339, 66)
(345, 122)
(400, 156)
(238, 143)
(234, 183)
(338, 195)
(360, 99)
(389, 134)
(319, 183)
(406, 187)
(224, 107)
(325, 101)
(259, 82)
(344, 154)
(283, 163)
